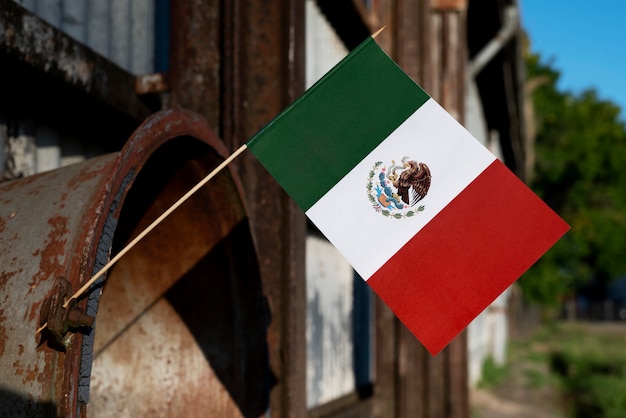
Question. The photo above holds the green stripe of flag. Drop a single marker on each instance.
(317, 140)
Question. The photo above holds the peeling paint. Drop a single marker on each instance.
(77, 70)
(86, 174)
(53, 253)
(5, 276)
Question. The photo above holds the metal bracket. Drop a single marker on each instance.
(59, 319)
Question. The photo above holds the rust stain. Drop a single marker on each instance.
(151, 83)
(3, 332)
(2, 225)
(31, 375)
(18, 368)
(51, 254)
(5, 276)
(36, 191)
(449, 5)
(85, 175)
(32, 313)
(15, 184)
(62, 199)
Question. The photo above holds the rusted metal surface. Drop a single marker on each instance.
(268, 68)
(29, 40)
(448, 5)
(185, 306)
(195, 57)
(151, 83)
(41, 237)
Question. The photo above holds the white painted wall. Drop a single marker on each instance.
(329, 336)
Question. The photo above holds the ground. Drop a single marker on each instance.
(525, 388)
(515, 402)
(524, 391)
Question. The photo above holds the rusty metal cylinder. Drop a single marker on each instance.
(180, 321)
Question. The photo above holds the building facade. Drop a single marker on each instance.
(237, 310)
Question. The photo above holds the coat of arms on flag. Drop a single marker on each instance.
(394, 189)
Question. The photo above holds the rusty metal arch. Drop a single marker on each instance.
(180, 328)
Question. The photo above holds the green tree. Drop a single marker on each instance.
(580, 151)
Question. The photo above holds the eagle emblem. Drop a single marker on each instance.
(395, 189)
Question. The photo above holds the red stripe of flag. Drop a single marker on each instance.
(463, 259)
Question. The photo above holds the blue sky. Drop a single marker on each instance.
(585, 40)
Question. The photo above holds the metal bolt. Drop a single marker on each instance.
(77, 318)
(59, 319)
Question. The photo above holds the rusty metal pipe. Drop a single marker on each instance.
(68, 221)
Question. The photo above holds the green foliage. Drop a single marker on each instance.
(592, 370)
(580, 153)
(536, 378)
(492, 374)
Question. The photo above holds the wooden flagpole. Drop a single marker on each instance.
(378, 32)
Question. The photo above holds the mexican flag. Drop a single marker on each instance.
(434, 223)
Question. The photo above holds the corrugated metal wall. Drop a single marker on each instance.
(121, 30)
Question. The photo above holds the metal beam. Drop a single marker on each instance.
(27, 40)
